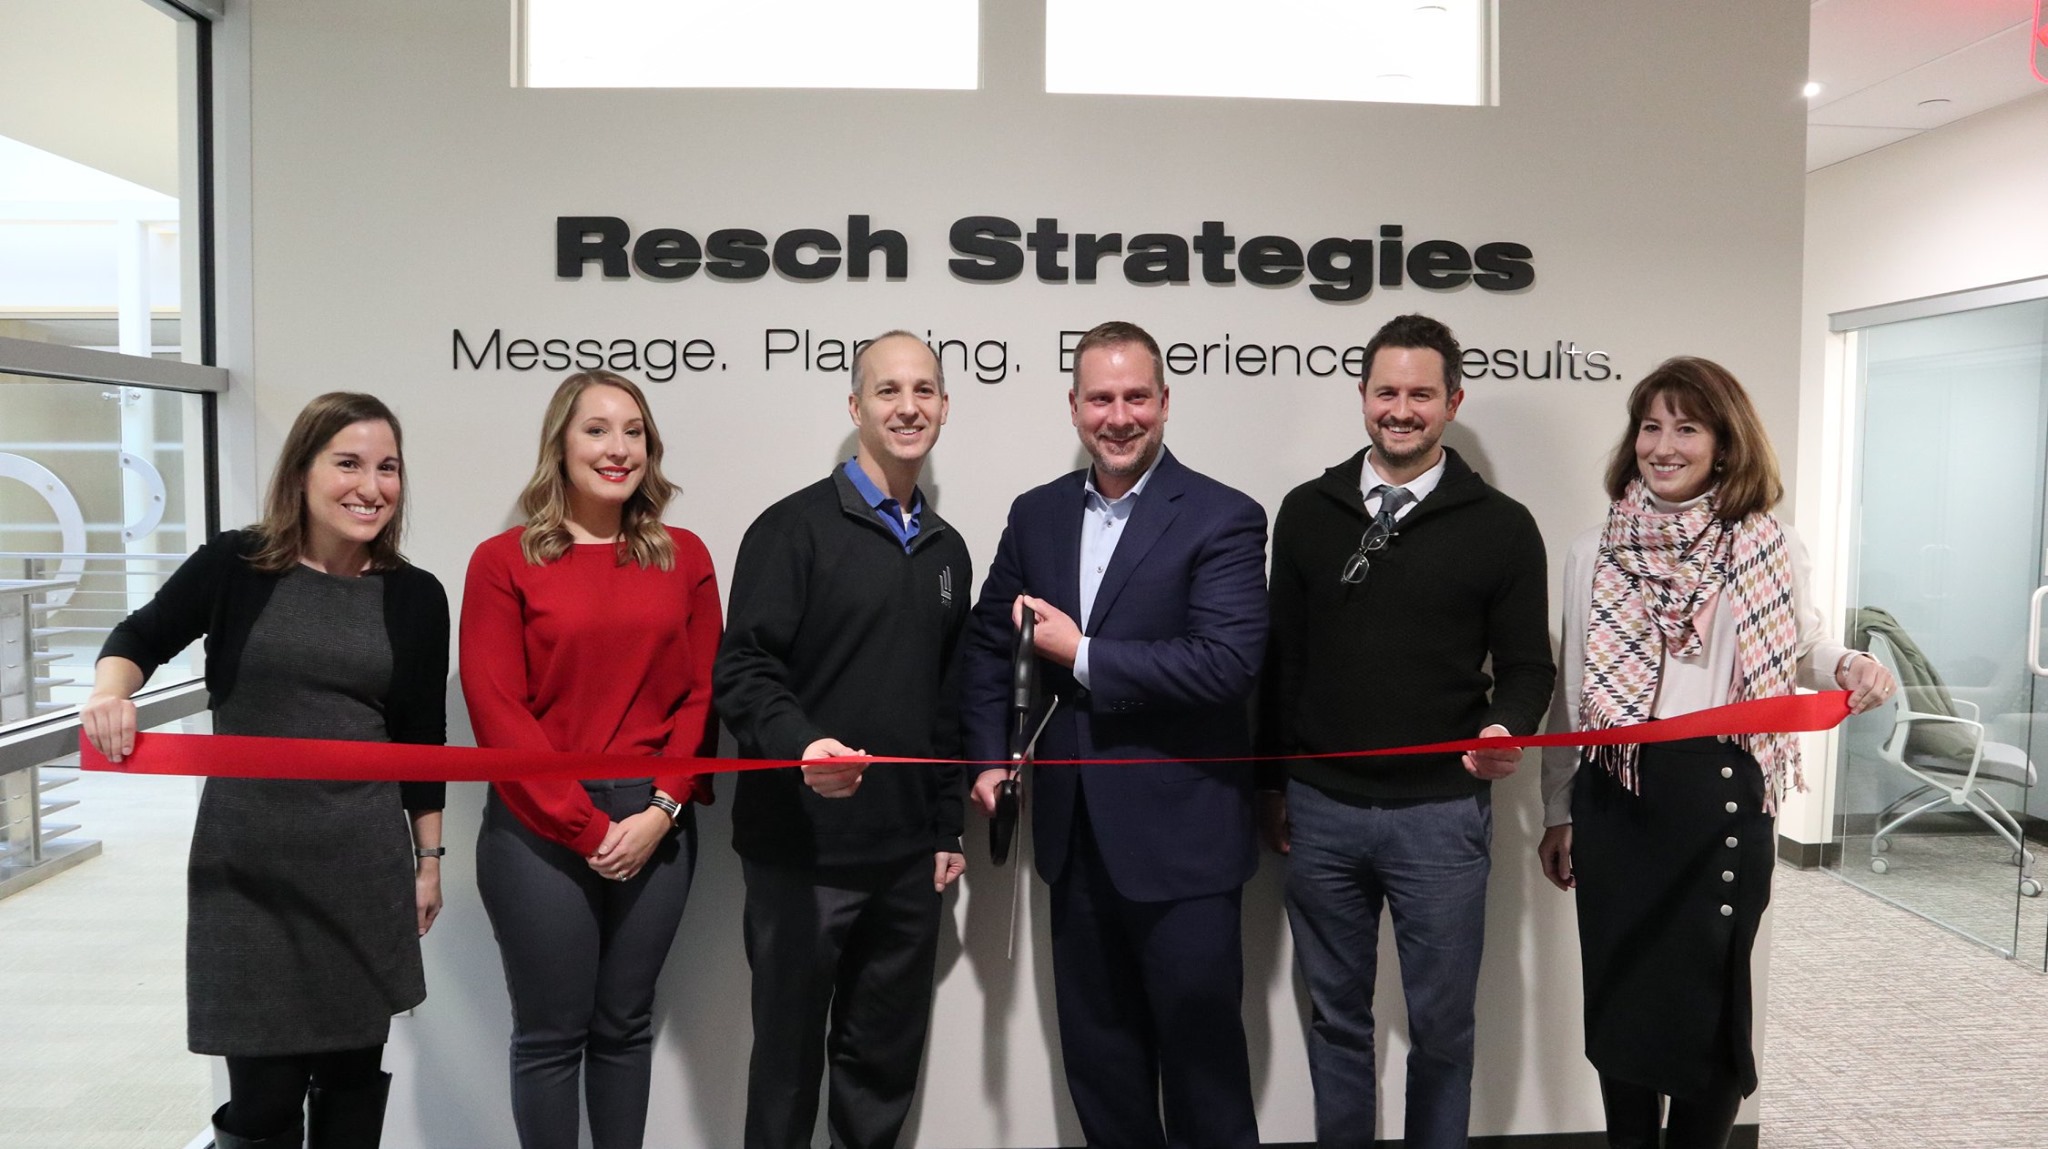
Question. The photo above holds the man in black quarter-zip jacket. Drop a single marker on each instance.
(1397, 575)
(849, 599)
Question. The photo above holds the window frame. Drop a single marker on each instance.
(37, 740)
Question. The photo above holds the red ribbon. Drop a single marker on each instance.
(240, 756)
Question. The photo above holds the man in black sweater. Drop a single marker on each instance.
(1397, 575)
(849, 599)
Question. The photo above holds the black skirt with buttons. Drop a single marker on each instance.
(1671, 886)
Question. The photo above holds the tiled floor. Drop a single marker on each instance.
(92, 997)
(1883, 1030)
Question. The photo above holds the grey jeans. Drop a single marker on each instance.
(1427, 861)
(581, 955)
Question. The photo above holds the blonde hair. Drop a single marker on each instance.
(281, 535)
(1702, 390)
(545, 501)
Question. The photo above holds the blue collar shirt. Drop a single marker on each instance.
(903, 526)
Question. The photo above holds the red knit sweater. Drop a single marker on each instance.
(585, 654)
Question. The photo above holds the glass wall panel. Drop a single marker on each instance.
(102, 494)
(103, 491)
(96, 157)
(1937, 801)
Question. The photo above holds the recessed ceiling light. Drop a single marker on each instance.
(1811, 89)
(1936, 102)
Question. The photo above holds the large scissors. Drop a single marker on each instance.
(1025, 727)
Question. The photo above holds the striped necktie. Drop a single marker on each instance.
(1392, 499)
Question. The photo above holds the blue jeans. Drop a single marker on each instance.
(1428, 862)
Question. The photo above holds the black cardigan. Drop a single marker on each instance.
(217, 593)
(1403, 658)
(833, 629)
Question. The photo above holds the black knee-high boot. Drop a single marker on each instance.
(351, 1117)
(1704, 1122)
(1635, 1114)
(225, 1138)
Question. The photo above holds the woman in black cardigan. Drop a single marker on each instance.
(307, 899)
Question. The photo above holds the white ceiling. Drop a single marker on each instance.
(94, 81)
(1879, 61)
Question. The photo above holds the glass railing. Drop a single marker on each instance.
(56, 609)
(102, 494)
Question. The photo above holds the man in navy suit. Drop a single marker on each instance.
(1147, 582)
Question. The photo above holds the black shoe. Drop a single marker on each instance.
(350, 1118)
(291, 1138)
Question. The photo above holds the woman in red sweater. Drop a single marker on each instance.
(592, 628)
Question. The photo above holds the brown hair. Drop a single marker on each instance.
(1702, 390)
(1419, 332)
(545, 501)
(1117, 332)
(281, 535)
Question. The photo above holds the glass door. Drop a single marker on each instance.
(1937, 802)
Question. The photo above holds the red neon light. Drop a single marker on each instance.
(2038, 56)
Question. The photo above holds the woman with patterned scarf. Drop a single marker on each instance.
(1691, 595)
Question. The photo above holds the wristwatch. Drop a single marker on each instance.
(669, 806)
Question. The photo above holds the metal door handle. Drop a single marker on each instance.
(2034, 632)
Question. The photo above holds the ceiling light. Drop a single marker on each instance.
(1811, 89)
(1935, 103)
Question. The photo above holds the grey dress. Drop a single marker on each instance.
(301, 935)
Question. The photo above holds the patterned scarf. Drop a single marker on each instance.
(1655, 570)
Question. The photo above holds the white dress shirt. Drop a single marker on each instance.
(1369, 478)
(1102, 524)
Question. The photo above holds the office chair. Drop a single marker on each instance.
(1938, 740)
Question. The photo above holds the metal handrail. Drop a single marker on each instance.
(37, 740)
(83, 365)
(89, 555)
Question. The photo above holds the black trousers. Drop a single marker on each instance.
(1635, 1116)
(267, 1095)
(1150, 1002)
(842, 962)
(581, 954)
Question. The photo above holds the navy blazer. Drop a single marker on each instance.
(1175, 643)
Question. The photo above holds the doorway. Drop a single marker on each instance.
(1938, 804)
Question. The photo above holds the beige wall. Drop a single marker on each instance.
(400, 188)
